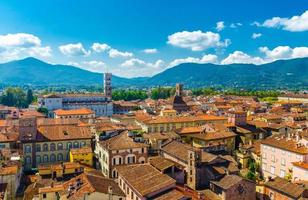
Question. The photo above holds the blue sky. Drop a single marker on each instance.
(141, 38)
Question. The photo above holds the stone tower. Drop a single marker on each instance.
(107, 85)
(27, 129)
(194, 161)
(179, 89)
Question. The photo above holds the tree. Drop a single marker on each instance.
(30, 97)
(14, 97)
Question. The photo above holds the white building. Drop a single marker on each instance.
(100, 104)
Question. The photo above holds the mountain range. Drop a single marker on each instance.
(279, 74)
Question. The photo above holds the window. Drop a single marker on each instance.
(264, 156)
(60, 146)
(283, 152)
(52, 147)
(28, 149)
(76, 145)
(273, 158)
(68, 145)
(28, 160)
(282, 173)
(113, 161)
(38, 148)
(142, 150)
(38, 159)
(82, 144)
(45, 158)
(44, 196)
(45, 147)
(52, 158)
(264, 166)
(272, 170)
(298, 157)
(283, 162)
(60, 157)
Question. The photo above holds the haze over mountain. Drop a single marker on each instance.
(279, 74)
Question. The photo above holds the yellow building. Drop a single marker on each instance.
(60, 170)
(82, 155)
(209, 137)
(167, 124)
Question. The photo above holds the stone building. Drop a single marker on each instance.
(119, 149)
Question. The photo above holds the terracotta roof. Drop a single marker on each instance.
(161, 163)
(286, 144)
(285, 187)
(228, 181)
(209, 195)
(173, 194)
(55, 188)
(156, 136)
(144, 178)
(208, 136)
(81, 150)
(177, 149)
(8, 170)
(301, 165)
(121, 141)
(65, 132)
(81, 111)
(181, 119)
(90, 183)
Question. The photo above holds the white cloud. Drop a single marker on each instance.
(98, 47)
(92, 65)
(294, 24)
(19, 40)
(76, 49)
(72, 63)
(196, 40)
(209, 58)
(135, 62)
(21, 45)
(113, 53)
(220, 26)
(241, 57)
(256, 35)
(284, 52)
(137, 67)
(150, 51)
(235, 25)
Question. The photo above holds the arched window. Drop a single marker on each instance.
(60, 157)
(68, 145)
(76, 145)
(28, 149)
(113, 161)
(82, 144)
(38, 148)
(38, 159)
(28, 160)
(52, 158)
(45, 159)
(60, 146)
(114, 174)
(52, 147)
(45, 147)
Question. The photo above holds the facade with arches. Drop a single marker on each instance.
(53, 145)
(119, 150)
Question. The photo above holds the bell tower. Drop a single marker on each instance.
(107, 85)
(194, 160)
(179, 89)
